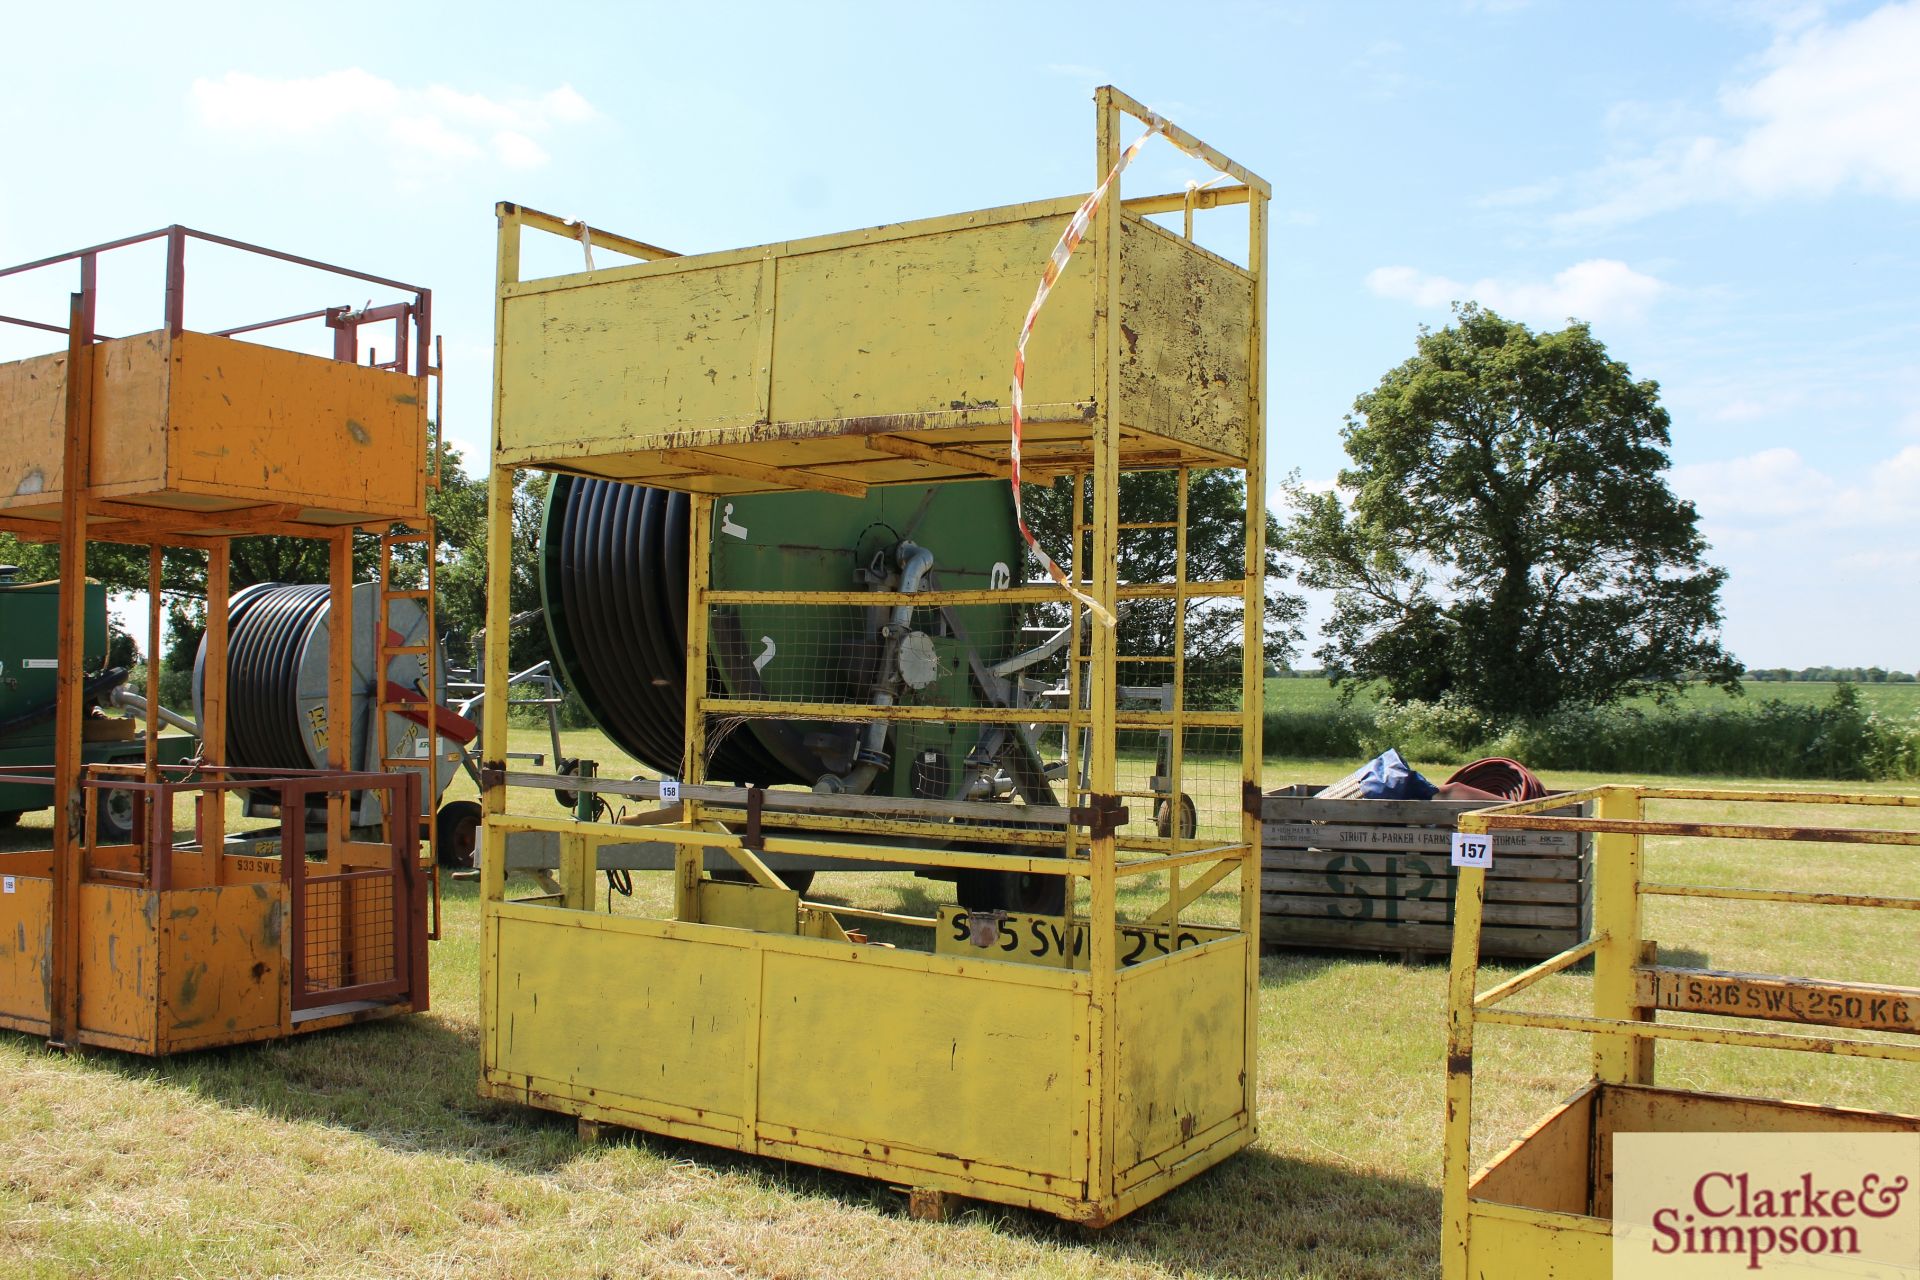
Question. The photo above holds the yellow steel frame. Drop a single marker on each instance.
(1172, 1038)
(1484, 1234)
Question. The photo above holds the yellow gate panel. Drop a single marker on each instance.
(26, 949)
(919, 1056)
(120, 966)
(1180, 1037)
(224, 968)
(624, 1010)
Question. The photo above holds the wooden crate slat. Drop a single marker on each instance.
(1390, 837)
(1414, 910)
(1552, 891)
(1553, 868)
(1432, 939)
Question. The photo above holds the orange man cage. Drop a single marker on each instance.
(182, 439)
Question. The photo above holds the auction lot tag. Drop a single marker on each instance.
(1729, 1206)
(669, 790)
(9, 885)
(1472, 850)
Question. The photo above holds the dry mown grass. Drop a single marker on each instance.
(365, 1152)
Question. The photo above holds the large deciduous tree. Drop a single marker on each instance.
(1505, 538)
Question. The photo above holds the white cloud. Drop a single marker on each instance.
(1779, 490)
(1598, 290)
(435, 125)
(1836, 109)
(1806, 549)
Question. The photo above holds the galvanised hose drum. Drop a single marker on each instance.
(613, 579)
(278, 640)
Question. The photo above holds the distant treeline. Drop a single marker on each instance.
(1807, 675)
(1840, 737)
(1831, 675)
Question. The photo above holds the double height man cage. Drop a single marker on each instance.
(169, 933)
(1072, 1026)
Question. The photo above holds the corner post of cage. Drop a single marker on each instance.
(1253, 620)
(410, 933)
(1470, 886)
(1619, 1057)
(339, 685)
(500, 486)
(63, 1011)
(293, 876)
(688, 860)
(1101, 686)
(176, 288)
(150, 728)
(211, 818)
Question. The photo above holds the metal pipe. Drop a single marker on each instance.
(915, 563)
(138, 705)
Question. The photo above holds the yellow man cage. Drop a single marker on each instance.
(1545, 1206)
(1078, 1050)
(174, 438)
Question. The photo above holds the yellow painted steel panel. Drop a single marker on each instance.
(26, 950)
(1184, 322)
(1180, 1036)
(120, 964)
(926, 324)
(788, 356)
(749, 906)
(1631, 1109)
(1506, 1244)
(627, 363)
(222, 973)
(1548, 1167)
(621, 1009)
(921, 1059)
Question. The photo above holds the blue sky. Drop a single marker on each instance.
(1728, 191)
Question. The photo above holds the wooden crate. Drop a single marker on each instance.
(1374, 875)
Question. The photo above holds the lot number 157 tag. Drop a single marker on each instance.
(1472, 850)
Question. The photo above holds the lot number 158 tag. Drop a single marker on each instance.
(1472, 850)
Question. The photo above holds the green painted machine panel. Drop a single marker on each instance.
(810, 653)
(29, 639)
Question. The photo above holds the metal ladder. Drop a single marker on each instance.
(388, 647)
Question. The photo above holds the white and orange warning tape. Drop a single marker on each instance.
(1056, 263)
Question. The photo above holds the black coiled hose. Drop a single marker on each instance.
(614, 576)
(267, 627)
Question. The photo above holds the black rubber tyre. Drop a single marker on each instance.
(456, 834)
(113, 820)
(1189, 818)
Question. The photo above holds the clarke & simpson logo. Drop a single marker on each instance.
(1701, 1206)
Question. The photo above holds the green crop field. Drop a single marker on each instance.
(365, 1152)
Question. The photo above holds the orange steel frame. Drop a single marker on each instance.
(152, 864)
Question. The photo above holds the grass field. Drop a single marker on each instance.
(1310, 693)
(365, 1152)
